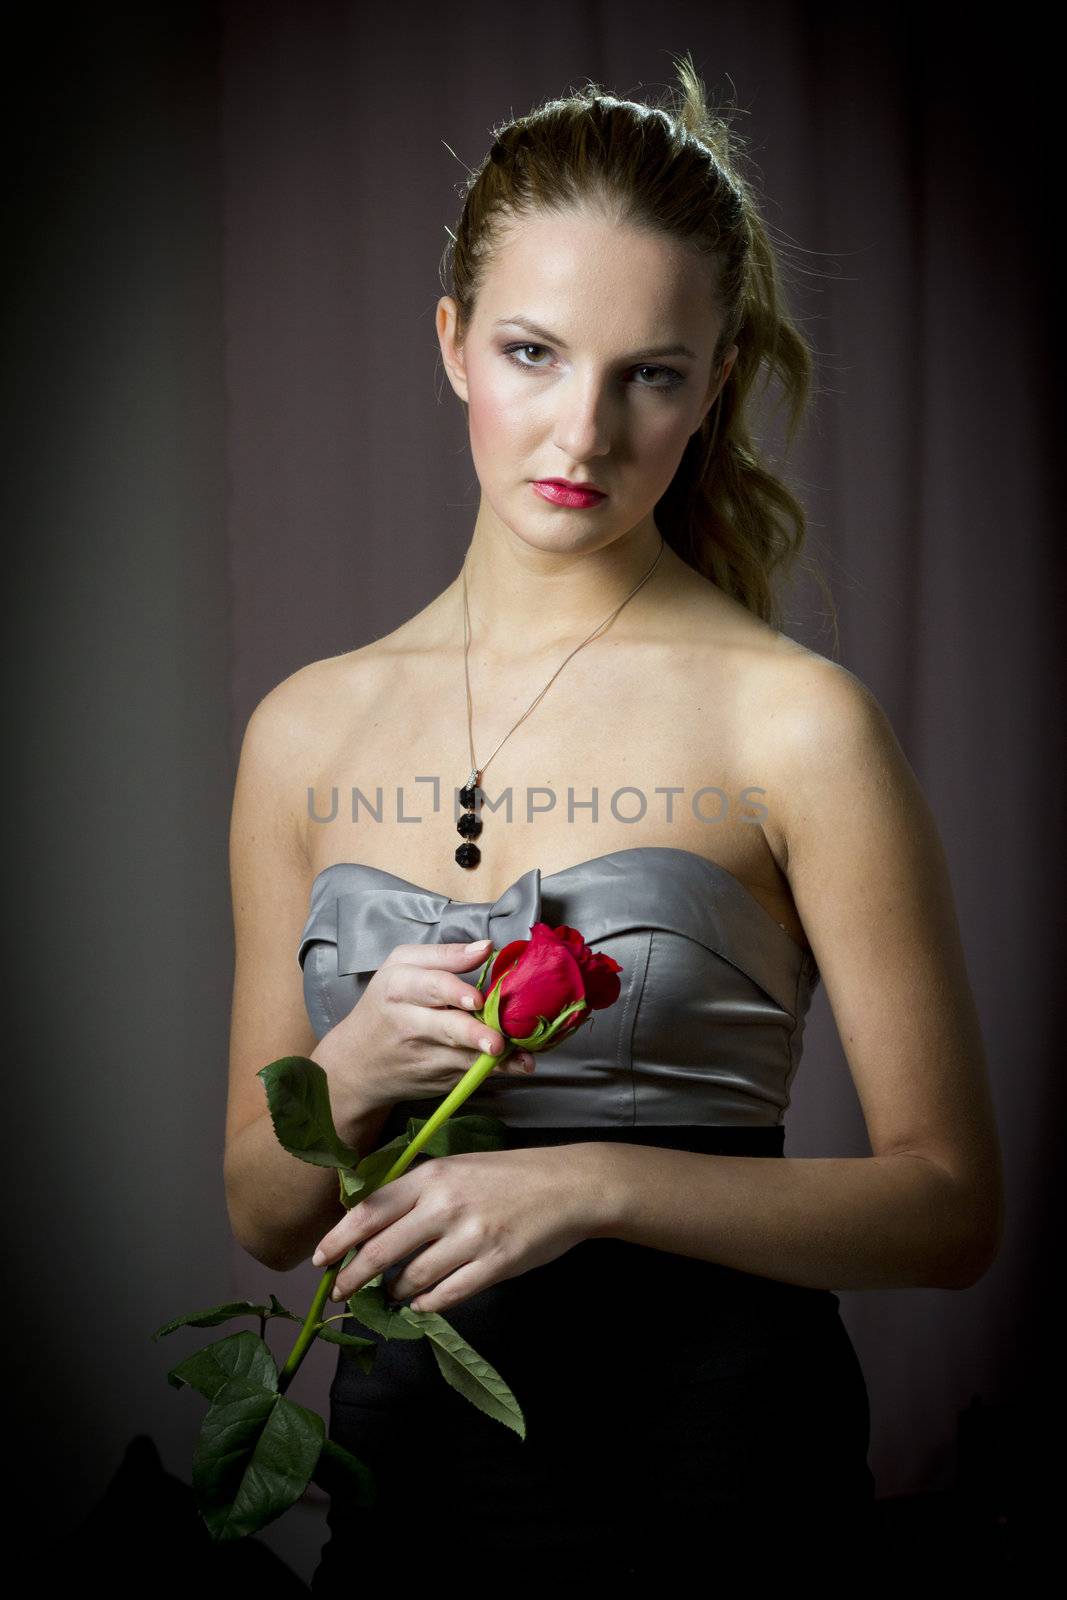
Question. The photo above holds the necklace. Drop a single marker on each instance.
(470, 824)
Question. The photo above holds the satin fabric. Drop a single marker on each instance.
(709, 1025)
(678, 1411)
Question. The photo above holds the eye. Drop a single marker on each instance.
(671, 378)
(511, 351)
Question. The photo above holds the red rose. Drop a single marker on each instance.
(541, 977)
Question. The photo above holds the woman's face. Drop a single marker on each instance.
(596, 387)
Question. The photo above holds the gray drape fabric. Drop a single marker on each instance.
(232, 450)
(900, 188)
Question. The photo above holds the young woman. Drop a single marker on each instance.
(724, 812)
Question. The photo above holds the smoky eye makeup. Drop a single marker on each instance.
(668, 378)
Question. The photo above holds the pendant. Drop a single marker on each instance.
(469, 824)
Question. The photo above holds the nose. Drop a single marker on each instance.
(583, 423)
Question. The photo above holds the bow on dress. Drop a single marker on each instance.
(372, 922)
(646, 891)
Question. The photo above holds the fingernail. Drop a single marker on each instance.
(479, 944)
(487, 1045)
(317, 1259)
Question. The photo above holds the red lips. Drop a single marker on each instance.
(565, 483)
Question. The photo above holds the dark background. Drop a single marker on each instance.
(231, 449)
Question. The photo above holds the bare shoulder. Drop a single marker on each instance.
(792, 717)
(293, 729)
(808, 694)
(319, 696)
(813, 724)
(871, 882)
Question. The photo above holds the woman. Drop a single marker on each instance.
(724, 812)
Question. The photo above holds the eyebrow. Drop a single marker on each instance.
(553, 338)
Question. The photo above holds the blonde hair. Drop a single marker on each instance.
(672, 167)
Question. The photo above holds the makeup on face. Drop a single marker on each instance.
(561, 493)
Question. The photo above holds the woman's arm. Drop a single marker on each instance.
(859, 845)
(278, 1205)
(850, 1222)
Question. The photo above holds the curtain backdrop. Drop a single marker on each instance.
(231, 420)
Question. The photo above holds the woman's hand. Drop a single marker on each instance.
(475, 1218)
(411, 1035)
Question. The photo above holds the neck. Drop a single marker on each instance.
(523, 600)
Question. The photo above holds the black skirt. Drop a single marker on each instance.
(677, 1412)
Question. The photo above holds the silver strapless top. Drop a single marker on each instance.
(709, 1023)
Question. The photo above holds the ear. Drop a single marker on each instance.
(451, 352)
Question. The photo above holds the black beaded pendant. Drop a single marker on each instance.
(469, 824)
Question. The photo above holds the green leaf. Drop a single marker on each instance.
(470, 1373)
(278, 1310)
(344, 1476)
(255, 1457)
(224, 1313)
(452, 1137)
(370, 1306)
(217, 1314)
(459, 1134)
(351, 1188)
(239, 1355)
(298, 1097)
(362, 1351)
(462, 1366)
(369, 1170)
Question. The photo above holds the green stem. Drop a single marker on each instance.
(307, 1331)
(471, 1080)
(475, 1075)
